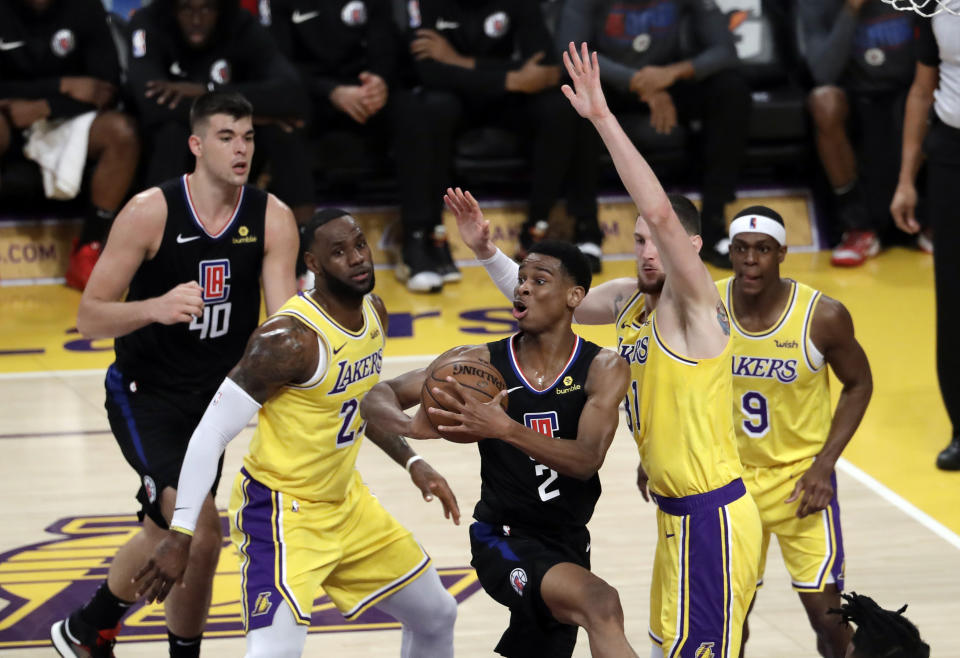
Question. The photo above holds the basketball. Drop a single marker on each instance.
(479, 380)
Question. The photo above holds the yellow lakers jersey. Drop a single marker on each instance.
(781, 392)
(677, 408)
(308, 436)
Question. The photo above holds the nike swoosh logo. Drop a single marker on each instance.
(11, 45)
(175, 69)
(515, 388)
(446, 25)
(300, 17)
(337, 351)
(181, 239)
(670, 534)
(177, 509)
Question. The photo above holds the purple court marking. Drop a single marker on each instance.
(38, 350)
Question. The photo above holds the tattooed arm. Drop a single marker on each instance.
(281, 351)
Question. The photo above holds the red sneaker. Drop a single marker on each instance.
(855, 248)
(82, 260)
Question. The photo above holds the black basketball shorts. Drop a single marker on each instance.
(153, 428)
(510, 564)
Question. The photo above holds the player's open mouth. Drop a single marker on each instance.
(360, 277)
(519, 309)
(240, 168)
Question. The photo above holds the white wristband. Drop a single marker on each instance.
(411, 461)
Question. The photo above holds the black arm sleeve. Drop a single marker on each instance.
(927, 51)
(828, 30)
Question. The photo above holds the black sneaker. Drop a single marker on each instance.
(417, 267)
(446, 268)
(74, 638)
(530, 232)
(949, 457)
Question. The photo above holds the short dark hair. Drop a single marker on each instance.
(572, 260)
(880, 633)
(686, 212)
(218, 102)
(309, 230)
(761, 210)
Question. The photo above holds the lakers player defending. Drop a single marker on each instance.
(673, 330)
(530, 543)
(301, 517)
(784, 336)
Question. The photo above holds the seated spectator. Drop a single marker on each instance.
(646, 71)
(880, 633)
(182, 48)
(464, 61)
(861, 56)
(58, 89)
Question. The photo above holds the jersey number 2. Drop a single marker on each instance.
(345, 436)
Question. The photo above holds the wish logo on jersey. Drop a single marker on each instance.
(784, 370)
(350, 373)
(43, 583)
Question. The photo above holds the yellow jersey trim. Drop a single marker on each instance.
(329, 318)
(626, 307)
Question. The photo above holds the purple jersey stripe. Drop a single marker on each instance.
(708, 585)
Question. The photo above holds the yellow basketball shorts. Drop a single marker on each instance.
(812, 547)
(290, 549)
(704, 572)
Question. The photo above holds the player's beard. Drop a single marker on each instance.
(654, 287)
(347, 289)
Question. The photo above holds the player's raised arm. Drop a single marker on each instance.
(600, 306)
(686, 275)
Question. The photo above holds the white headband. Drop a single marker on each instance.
(759, 224)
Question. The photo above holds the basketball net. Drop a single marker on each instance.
(927, 8)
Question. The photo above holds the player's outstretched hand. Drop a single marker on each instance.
(433, 484)
(586, 96)
(816, 489)
(180, 304)
(464, 414)
(474, 229)
(162, 571)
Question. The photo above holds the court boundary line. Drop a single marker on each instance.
(899, 502)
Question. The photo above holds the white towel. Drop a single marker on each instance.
(60, 148)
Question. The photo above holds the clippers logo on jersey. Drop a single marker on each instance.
(262, 605)
(496, 25)
(350, 373)
(139, 43)
(518, 580)
(765, 368)
(43, 582)
(150, 487)
(220, 72)
(213, 280)
(63, 42)
(354, 13)
(887, 33)
(626, 21)
(636, 353)
(544, 422)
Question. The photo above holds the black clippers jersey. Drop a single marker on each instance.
(196, 356)
(515, 489)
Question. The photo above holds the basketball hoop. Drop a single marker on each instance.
(926, 8)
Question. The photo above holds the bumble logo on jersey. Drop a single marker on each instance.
(44, 582)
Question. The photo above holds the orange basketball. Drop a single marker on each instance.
(479, 379)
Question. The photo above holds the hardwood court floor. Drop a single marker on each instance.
(58, 461)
